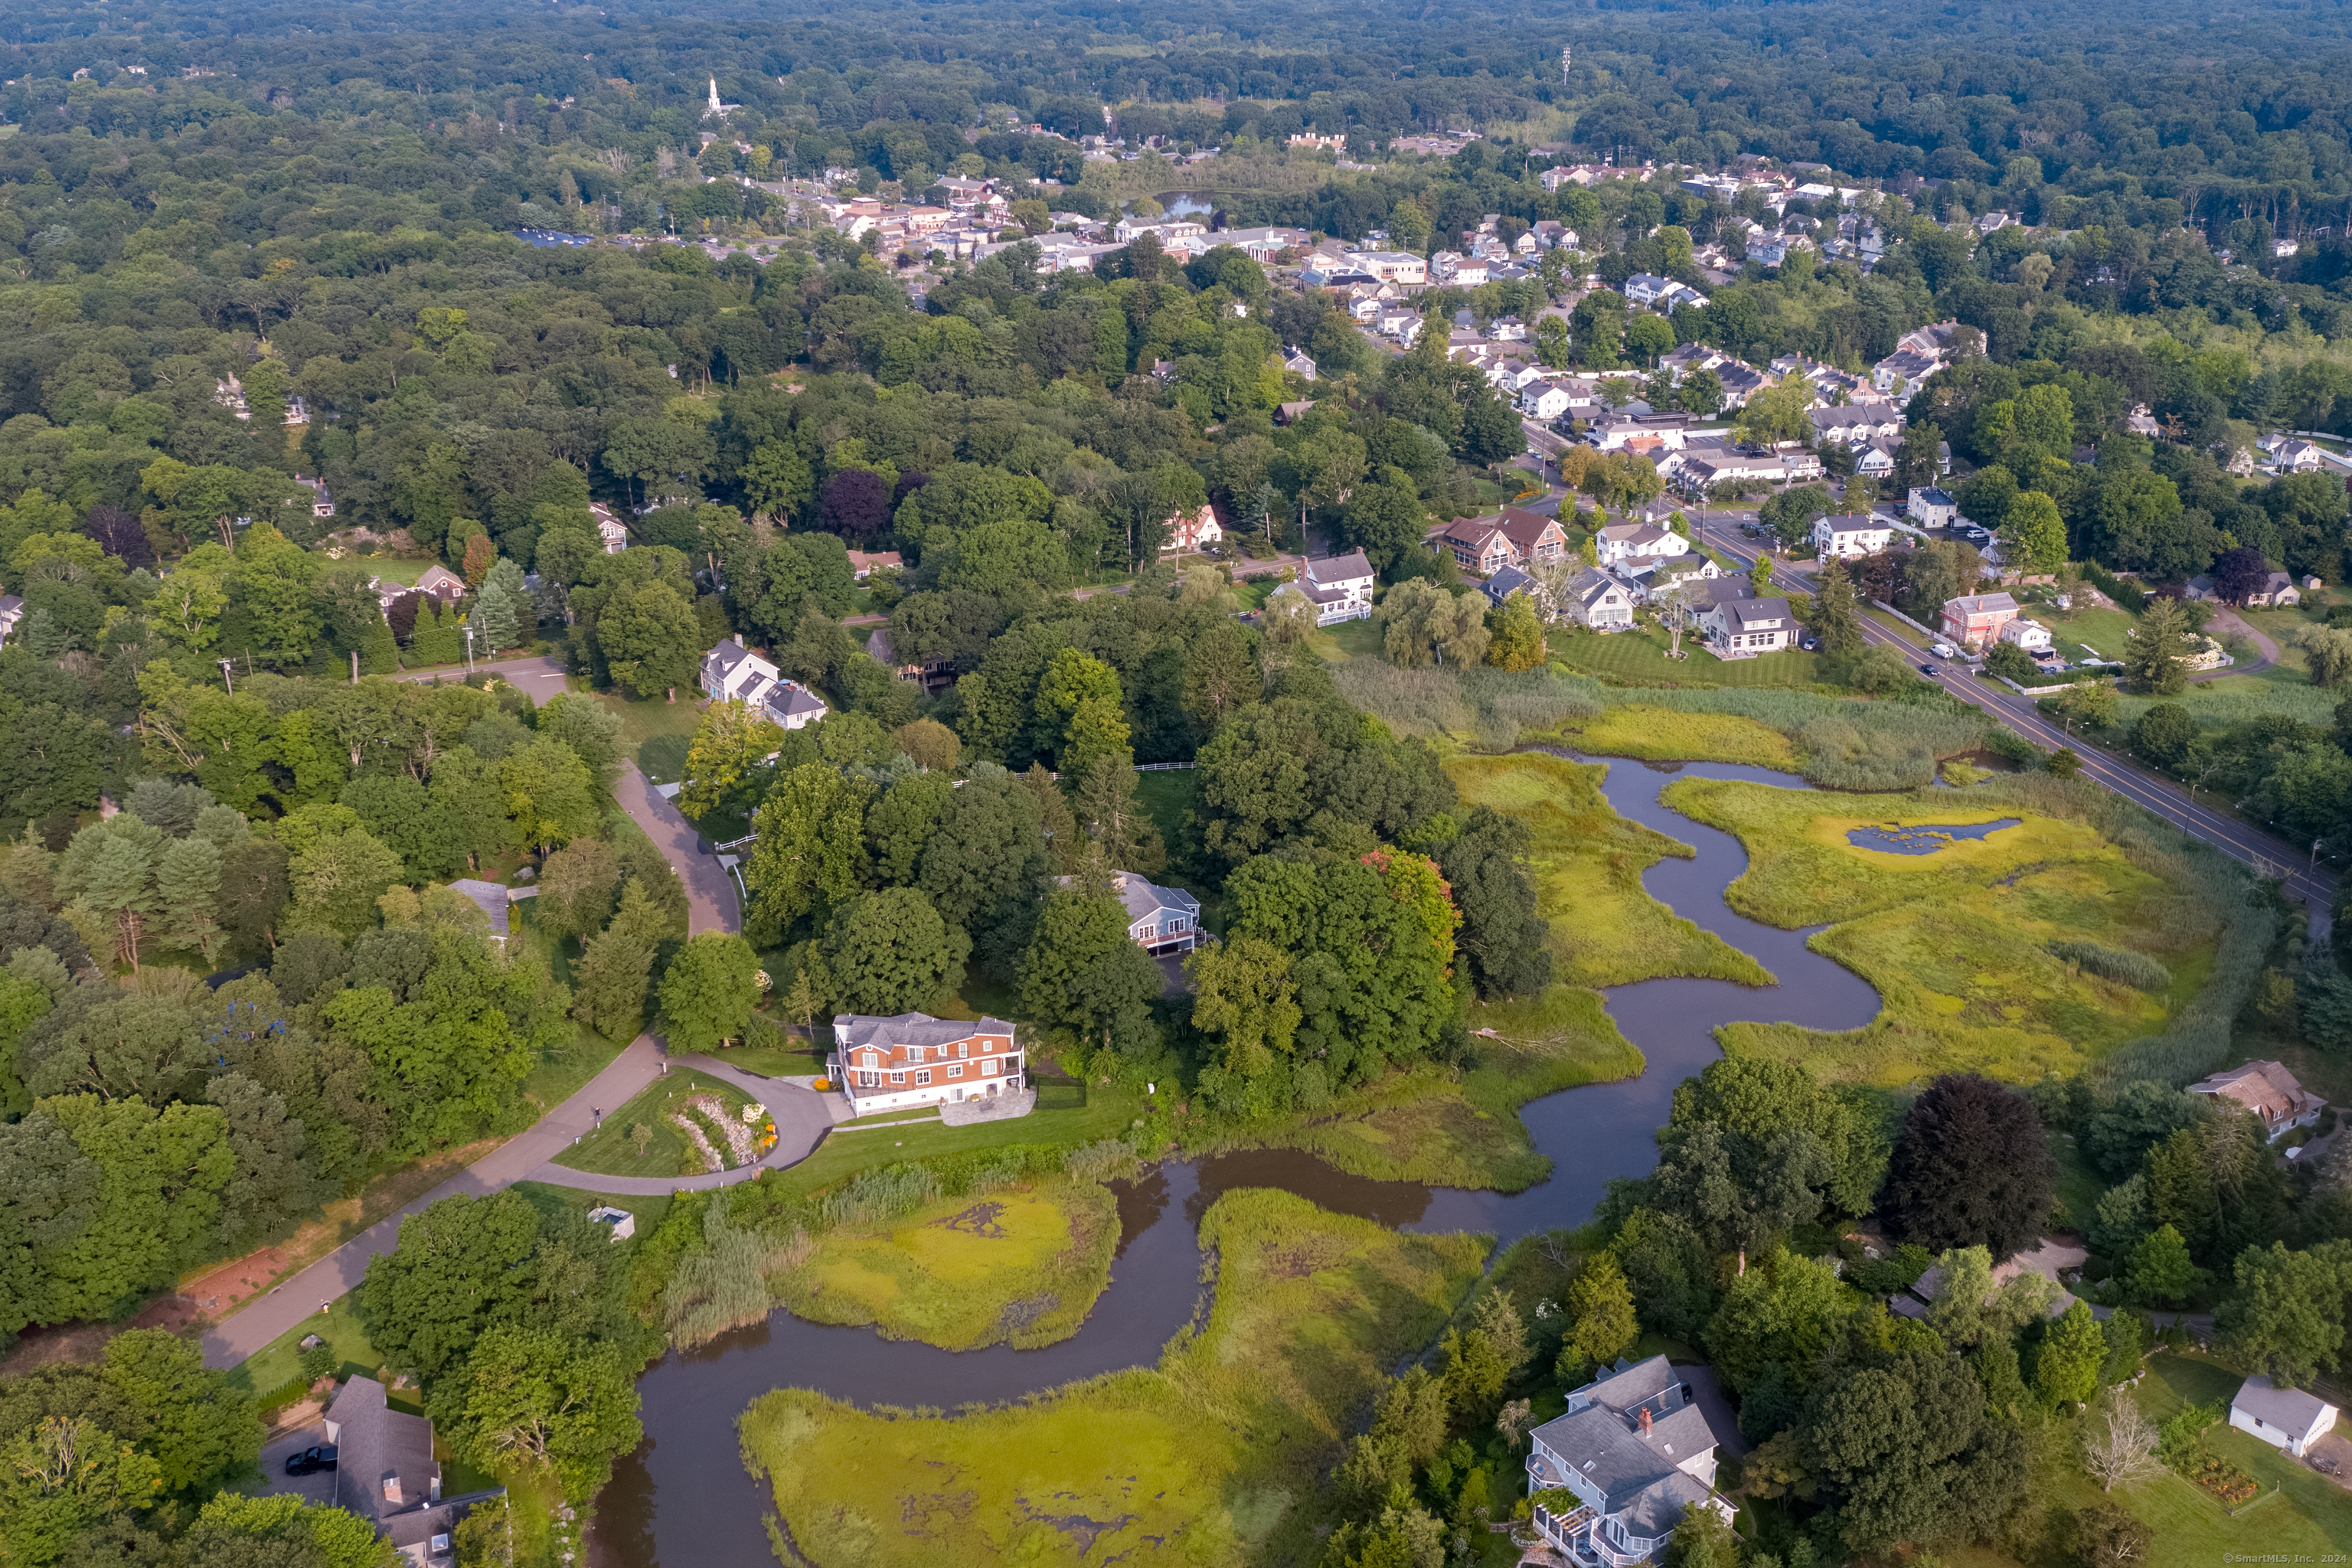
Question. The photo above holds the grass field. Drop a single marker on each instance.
(642, 721)
(609, 1151)
(1068, 1114)
(1956, 941)
(1587, 862)
(1670, 735)
(1203, 1459)
(1017, 1266)
(1346, 640)
(1638, 657)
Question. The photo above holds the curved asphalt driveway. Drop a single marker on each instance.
(801, 1118)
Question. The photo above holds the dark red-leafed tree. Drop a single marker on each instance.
(908, 483)
(120, 535)
(2239, 572)
(402, 616)
(1970, 1169)
(855, 504)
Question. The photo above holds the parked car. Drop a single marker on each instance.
(320, 1457)
(1810, 645)
(1944, 650)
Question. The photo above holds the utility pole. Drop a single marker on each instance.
(469, 649)
(356, 666)
(227, 665)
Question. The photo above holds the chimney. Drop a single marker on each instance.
(392, 1483)
(1645, 1415)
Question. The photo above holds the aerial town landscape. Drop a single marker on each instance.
(1537, 788)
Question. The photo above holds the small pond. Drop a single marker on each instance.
(684, 1496)
(1924, 838)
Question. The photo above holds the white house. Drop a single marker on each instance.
(1626, 543)
(1851, 536)
(733, 673)
(1661, 294)
(1192, 530)
(2284, 1417)
(1339, 586)
(1931, 508)
(614, 533)
(1855, 422)
(913, 1058)
(1635, 1452)
(12, 610)
(2031, 636)
(1599, 600)
(1743, 628)
(1545, 400)
(1159, 920)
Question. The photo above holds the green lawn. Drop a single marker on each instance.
(1211, 1457)
(1346, 640)
(610, 1151)
(1069, 1115)
(397, 568)
(1638, 657)
(778, 1061)
(2309, 1520)
(641, 721)
(276, 1364)
(2102, 630)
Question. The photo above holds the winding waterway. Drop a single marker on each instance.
(684, 1497)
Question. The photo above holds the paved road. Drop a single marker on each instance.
(2270, 855)
(542, 678)
(711, 901)
(802, 1122)
(801, 1118)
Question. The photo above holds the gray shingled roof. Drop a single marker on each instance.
(2288, 1409)
(1143, 898)
(851, 1029)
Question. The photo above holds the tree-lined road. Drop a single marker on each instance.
(801, 1118)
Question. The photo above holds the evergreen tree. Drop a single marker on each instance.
(1835, 618)
(610, 981)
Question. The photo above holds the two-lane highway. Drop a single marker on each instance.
(2271, 857)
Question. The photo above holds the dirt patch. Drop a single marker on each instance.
(1298, 1261)
(981, 1219)
(85, 1343)
(1080, 1530)
(1019, 1315)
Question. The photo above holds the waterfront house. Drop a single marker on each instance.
(913, 1058)
(2267, 1089)
(1613, 1478)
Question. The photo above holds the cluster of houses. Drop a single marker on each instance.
(1520, 551)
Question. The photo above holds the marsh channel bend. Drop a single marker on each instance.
(684, 1499)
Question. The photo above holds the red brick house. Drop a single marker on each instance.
(1975, 621)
